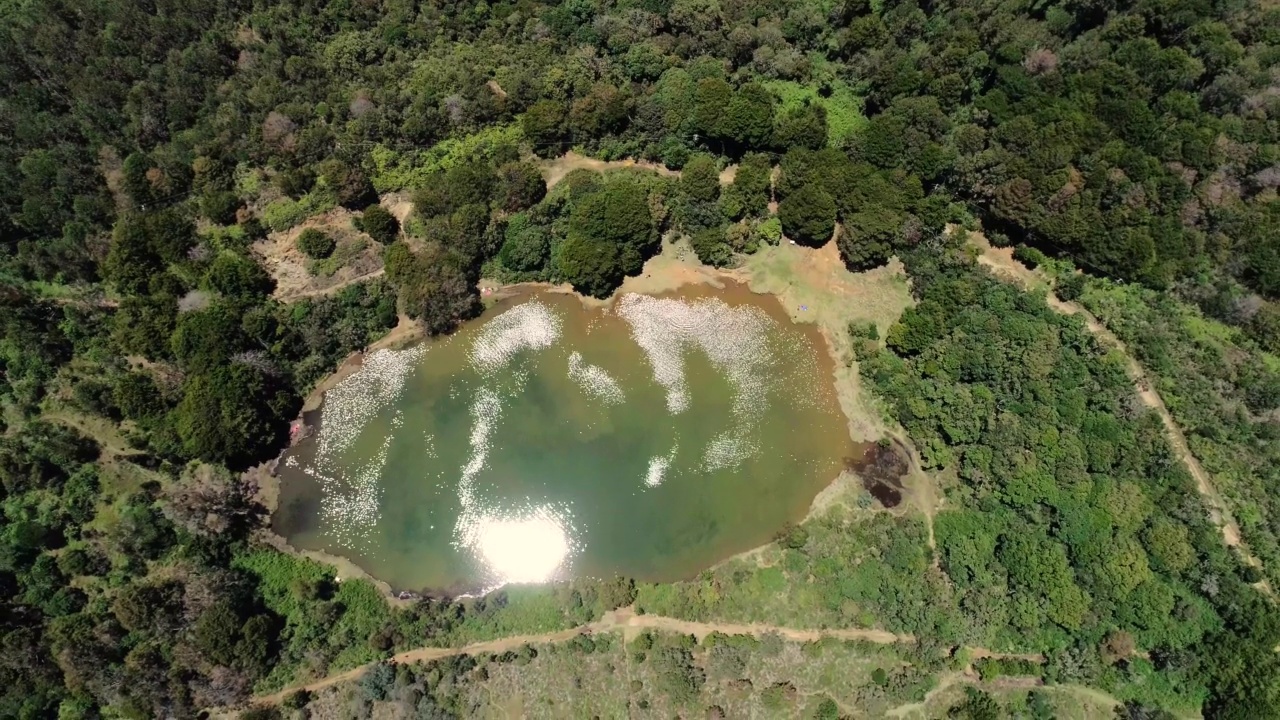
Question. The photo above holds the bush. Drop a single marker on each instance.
(315, 244)
(711, 248)
(297, 699)
(253, 229)
(96, 397)
(808, 216)
(295, 183)
(380, 224)
(377, 681)
(234, 275)
(220, 207)
(1029, 256)
(770, 231)
(1070, 287)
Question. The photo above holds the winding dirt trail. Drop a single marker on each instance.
(1003, 264)
(624, 620)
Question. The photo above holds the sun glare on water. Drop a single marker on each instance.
(534, 542)
(522, 550)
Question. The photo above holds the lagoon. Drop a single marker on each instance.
(651, 437)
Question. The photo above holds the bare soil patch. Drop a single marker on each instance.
(556, 169)
(398, 204)
(280, 256)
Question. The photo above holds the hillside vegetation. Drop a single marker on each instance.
(151, 151)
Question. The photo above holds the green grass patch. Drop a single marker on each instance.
(853, 570)
(323, 617)
(522, 611)
(286, 213)
(343, 254)
(844, 107)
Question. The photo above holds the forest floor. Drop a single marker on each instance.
(1003, 264)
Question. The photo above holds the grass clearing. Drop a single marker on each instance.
(843, 106)
(815, 287)
(356, 258)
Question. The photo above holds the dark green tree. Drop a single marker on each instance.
(748, 119)
(233, 414)
(526, 246)
(868, 238)
(520, 186)
(700, 179)
(804, 126)
(220, 207)
(711, 248)
(592, 265)
(808, 216)
(315, 244)
(544, 124)
(380, 224)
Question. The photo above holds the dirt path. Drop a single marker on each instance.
(555, 169)
(921, 706)
(320, 292)
(623, 620)
(1002, 263)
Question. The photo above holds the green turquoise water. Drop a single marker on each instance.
(651, 438)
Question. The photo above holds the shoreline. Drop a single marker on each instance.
(675, 267)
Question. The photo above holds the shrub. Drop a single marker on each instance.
(295, 183)
(1070, 287)
(770, 231)
(1028, 256)
(220, 207)
(380, 224)
(711, 248)
(315, 244)
(234, 275)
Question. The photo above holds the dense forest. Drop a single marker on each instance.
(145, 363)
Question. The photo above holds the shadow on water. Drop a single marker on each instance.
(881, 468)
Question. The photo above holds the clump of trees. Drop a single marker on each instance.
(611, 233)
(1062, 540)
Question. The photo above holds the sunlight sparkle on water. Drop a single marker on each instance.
(522, 550)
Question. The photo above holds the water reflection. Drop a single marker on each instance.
(650, 439)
